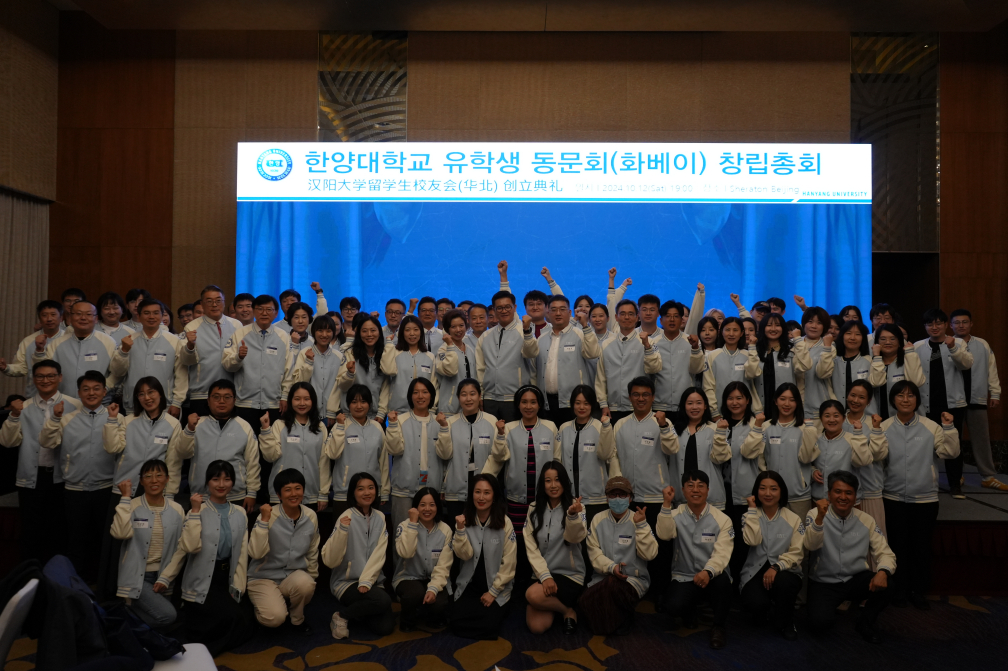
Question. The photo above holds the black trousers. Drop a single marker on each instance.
(740, 551)
(823, 599)
(555, 413)
(220, 623)
(469, 618)
(42, 518)
(953, 467)
(85, 516)
(505, 410)
(681, 598)
(373, 609)
(254, 418)
(910, 527)
(778, 601)
(412, 608)
(108, 562)
(659, 568)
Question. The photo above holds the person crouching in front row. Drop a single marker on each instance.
(424, 560)
(151, 526)
(356, 553)
(839, 538)
(283, 549)
(704, 539)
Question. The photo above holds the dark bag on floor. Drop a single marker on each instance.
(130, 636)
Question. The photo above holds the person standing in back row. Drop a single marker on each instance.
(499, 358)
(205, 337)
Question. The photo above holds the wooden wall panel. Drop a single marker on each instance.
(28, 95)
(621, 86)
(111, 224)
(974, 198)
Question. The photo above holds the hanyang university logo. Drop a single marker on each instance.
(274, 164)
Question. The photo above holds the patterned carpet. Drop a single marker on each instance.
(956, 633)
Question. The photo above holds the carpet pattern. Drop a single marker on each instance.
(958, 632)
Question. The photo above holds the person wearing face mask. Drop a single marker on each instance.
(357, 445)
(283, 556)
(299, 317)
(562, 355)
(770, 579)
(484, 541)
(840, 539)
(298, 441)
(87, 470)
(150, 526)
(839, 449)
(406, 361)
(983, 389)
(682, 358)
(943, 389)
(418, 459)
(468, 437)
(525, 446)
(362, 366)
(78, 349)
(704, 539)
(50, 318)
(910, 489)
(814, 360)
(320, 363)
(454, 362)
(214, 543)
(774, 359)
(554, 531)
(870, 475)
(735, 433)
(854, 360)
(620, 545)
(423, 545)
(222, 435)
(152, 352)
(728, 364)
(627, 356)
(893, 360)
(698, 449)
(206, 337)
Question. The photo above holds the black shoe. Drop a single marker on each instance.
(570, 626)
(406, 627)
(789, 632)
(956, 491)
(304, 628)
(718, 639)
(868, 632)
(919, 601)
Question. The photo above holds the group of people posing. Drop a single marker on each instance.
(581, 454)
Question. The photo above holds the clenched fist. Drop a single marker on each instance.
(526, 323)
(502, 267)
(126, 344)
(800, 302)
(794, 334)
(414, 515)
(17, 405)
(460, 522)
(668, 496)
(57, 410)
(264, 421)
(827, 340)
(190, 339)
(950, 342)
(40, 342)
(822, 505)
(113, 410)
(316, 287)
(760, 418)
(581, 314)
(393, 417)
(751, 502)
(644, 341)
(735, 300)
(196, 500)
(126, 488)
(295, 338)
(876, 350)
(351, 367)
(722, 424)
(265, 511)
(876, 421)
(340, 418)
(310, 354)
(191, 423)
(946, 418)
(660, 418)
(693, 341)
(855, 424)
(447, 339)
(441, 419)
(500, 426)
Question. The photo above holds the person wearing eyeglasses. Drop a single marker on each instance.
(205, 337)
(431, 334)
(39, 482)
(395, 310)
(222, 435)
(80, 348)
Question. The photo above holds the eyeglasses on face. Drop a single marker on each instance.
(222, 398)
(46, 377)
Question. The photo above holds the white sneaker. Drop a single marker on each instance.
(340, 627)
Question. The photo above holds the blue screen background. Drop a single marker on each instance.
(380, 250)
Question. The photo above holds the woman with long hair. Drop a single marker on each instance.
(775, 359)
(406, 361)
(362, 366)
(893, 360)
(871, 475)
(320, 363)
(853, 361)
(789, 446)
(484, 541)
(298, 441)
(697, 447)
(554, 531)
(468, 437)
(727, 364)
(587, 449)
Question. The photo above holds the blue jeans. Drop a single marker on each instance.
(153, 608)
